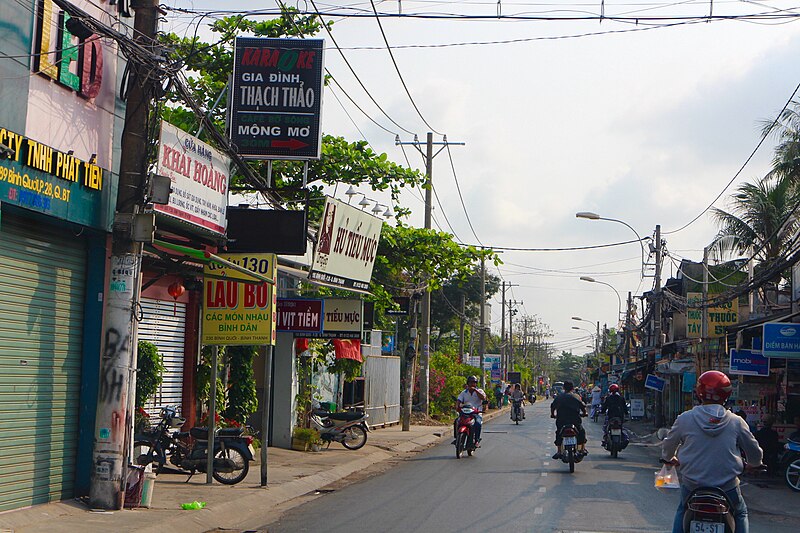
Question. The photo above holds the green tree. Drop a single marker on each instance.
(241, 394)
(149, 372)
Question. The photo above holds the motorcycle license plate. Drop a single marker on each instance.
(616, 432)
(706, 527)
(571, 441)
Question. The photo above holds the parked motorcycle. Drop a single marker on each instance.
(349, 428)
(614, 440)
(570, 454)
(465, 436)
(516, 410)
(790, 464)
(233, 450)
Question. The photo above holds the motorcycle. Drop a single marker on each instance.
(614, 439)
(570, 454)
(595, 411)
(465, 436)
(708, 510)
(516, 410)
(233, 450)
(790, 464)
(348, 427)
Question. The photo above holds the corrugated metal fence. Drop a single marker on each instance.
(382, 384)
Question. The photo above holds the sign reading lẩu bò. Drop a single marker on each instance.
(238, 313)
(43, 179)
(276, 98)
(199, 175)
(347, 242)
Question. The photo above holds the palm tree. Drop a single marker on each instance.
(762, 220)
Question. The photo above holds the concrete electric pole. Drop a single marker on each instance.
(425, 330)
(118, 362)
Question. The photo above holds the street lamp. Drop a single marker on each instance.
(619, 298)
(597, 335)
(588, 215)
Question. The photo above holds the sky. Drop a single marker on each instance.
(640, 124)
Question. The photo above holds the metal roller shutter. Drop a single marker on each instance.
(164, 324)
(42, 286)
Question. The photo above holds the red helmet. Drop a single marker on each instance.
(613, 388)
(714, 386)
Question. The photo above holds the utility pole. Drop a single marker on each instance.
(657, 318)
(410, 356)
(462, 322)
(503, 362)
(483, 318)
(425, 334)
(704, 317)
(628, 332)
(118, 362)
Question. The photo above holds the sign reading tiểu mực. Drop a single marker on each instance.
(347, 243)
(236, 312)
(276, 98)
(342, 319)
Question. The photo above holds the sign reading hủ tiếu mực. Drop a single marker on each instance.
(235, 312)
(200, 175)
(276, 98)
(347, 243)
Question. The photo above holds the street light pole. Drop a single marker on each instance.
(588, 215)
(619, 298)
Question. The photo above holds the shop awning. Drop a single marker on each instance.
(758, 322)
(204, 257)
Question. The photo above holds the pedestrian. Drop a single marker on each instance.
(769, 440)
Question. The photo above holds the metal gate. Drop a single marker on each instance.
(382, 383)
(42, 297)
(164, 324)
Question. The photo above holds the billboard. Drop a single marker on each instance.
(300, 315)
(719, 317)
(342, 320)
(781, 339)
(238, 313)
(276, 98)
(748, 363)
(200, 175)
(347, 242)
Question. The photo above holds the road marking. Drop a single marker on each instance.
(538, 510)
(542, 489)
(544, 474)
(546, 463)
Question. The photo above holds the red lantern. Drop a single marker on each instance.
(176, 290)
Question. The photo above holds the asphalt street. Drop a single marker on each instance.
(511, 484)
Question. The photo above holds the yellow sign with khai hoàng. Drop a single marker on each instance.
(239, 312)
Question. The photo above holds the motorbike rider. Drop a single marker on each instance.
(708, 440)
(477, 398)
(570, 409)
(614, 406)
(518, 395)
(597, 399)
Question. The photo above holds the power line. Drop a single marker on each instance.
(458, 188)
(397, 69)
(566, 249)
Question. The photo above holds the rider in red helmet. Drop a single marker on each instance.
(613, 406)
(708, 440)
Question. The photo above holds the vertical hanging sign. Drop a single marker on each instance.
(276, 98)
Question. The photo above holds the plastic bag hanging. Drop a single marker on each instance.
(667, 478)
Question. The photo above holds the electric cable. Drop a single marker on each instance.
(458, 188)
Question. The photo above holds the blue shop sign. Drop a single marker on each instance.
(654, 382)
(749, 363)
(689, 381)
(781, 339)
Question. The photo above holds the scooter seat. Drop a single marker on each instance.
(201, 433)
(346, 416)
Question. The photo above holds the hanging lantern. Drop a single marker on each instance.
(176, 290)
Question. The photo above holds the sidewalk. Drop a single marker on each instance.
(291, 474)
(763, 495)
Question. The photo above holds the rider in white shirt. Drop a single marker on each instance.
(476, 398)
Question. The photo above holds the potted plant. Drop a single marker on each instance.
(306, 439)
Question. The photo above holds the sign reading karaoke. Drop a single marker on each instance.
(277, 98)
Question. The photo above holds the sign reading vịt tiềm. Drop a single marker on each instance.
(235, 312)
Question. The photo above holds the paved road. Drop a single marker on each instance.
(510, 485)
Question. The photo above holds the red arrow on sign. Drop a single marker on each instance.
(291, 144)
